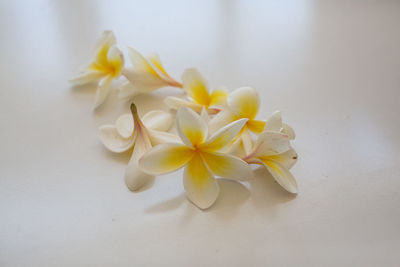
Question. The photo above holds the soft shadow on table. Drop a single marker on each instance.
(266, 193)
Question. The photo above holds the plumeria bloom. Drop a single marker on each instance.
(243, 102)
(200, 157)
(273, 151)
(145, 75)
(107, 64)
(197, 90)
(141, 134)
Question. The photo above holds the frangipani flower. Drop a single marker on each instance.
(145, 75)
(200, 157)
(274, 123)
(130, 131)
(197, 90)
(106, 66)
(273, 151)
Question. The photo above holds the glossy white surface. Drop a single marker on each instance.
(331, 67)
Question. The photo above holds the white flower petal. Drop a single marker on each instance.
(143, 81)
(107, 38)
(191, 127)
(124, 125)
(286, 159)
(127, 89)
(113, 141)
(223, 118)
(157, 120)
(115, 59)
(135, 178)
(158, 137)
(204, 115)
(196, 86)
(282, 175)
(271, 143)
(288, 130)
(244, 102)
(274, 123)
(87, 77)
(247, 141)
(200, 186)
(176, 103)
(165, 158)
(227, 166)
(139, 62)
(224, 136)
(102, 91)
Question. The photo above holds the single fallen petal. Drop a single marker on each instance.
(224, 136)
(244, 102)
(227, 166)
(282, 175)
(114, 142)
(102, 91)
(191, 127)
(165, 158)
(200, 186)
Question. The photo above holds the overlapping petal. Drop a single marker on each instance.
(113, 141)
(191, 127)
(165, 158)
(271, 143)
(244, 102)
(224, 136)
(227, 166)
(282, 175)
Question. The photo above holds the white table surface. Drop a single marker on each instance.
(331, 67)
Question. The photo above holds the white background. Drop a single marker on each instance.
(331, 67)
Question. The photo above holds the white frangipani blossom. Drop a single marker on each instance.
(145, 75)
(200, 155)
(107, 64)
(141, 134)
(198, 95)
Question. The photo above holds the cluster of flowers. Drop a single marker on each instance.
(218, 133)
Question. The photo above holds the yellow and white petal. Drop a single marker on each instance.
(227, 166)
(271, 143)
(135, 177)
(159, 68)
(165, 158)
(247, 141)
(107, 39)
(102, 91)
(157, 120)
(176, 103)
(196, 86)
(204, 115)
(282, 175)
(158, 137)
(223, 118)
(288, 130)
(244, 102)
(114, 142)
(224, 136)
(143, 81)
(140, 63)
(124, 125)
(286, 159)
(116, 60)
(200, 186)
(87, 77)
(191, 128)
(218, 97)
(256, 126)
